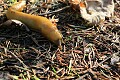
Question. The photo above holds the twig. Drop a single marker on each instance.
(56, 11)
(18, 59)
(26, 67)
(36, 42)
(90, 61)
(106, 75)
(105, 60)
(81, 77)
(22, 68)
(117, 2)
(93, 75)
(2, 67)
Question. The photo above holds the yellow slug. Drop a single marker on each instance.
(38, 23)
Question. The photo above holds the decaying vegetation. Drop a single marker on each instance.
(89, 52)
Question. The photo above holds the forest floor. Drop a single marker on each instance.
(89, 52)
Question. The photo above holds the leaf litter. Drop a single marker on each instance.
(89, 52)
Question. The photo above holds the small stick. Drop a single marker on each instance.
(56, 11)
(18, 59)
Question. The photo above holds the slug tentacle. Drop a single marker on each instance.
(38, 23)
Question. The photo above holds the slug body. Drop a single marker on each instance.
(38, 23)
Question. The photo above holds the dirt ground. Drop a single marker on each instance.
(89, 52)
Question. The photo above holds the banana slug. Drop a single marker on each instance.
(38, 23)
